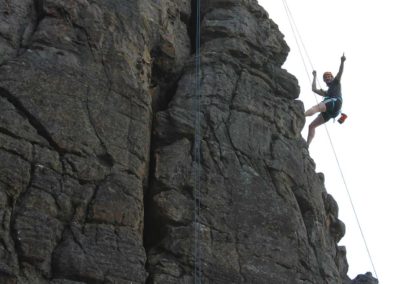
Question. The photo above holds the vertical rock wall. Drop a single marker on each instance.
(75, 123)
(96, 148)
(265, 215)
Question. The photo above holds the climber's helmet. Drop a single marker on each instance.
(328, 77)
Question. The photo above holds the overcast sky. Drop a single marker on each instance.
(367, 144)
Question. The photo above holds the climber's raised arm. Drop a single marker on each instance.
(314, 85)
(339, 74)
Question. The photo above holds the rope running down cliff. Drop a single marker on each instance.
(296, 34)
(197, 156)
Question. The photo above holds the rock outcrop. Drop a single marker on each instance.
(365, 278)
(96, 148)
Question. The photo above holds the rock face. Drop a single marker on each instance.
(97, 171)
(365, 278)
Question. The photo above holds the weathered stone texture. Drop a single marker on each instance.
(265, 215)
(96, 148)
(75, 126)
(365, 278)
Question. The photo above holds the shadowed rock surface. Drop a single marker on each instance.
(96, 148)
(365, 278)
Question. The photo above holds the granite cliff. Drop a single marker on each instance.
(96, 148)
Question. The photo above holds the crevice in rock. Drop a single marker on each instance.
(164, 82)
(308, 216)
(12, 152)
(13, 232)
(191, 27)
(238, 153)
(85, 32)
(162, 98)
(152, 227)
(40, 128)
(214, 160)
(304, 204)
(105, 158)
(40, 14)
(38, 4)
(164, 86)
(155, 227)
(9, 133)
(106, 74)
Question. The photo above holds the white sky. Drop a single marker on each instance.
(367, 144)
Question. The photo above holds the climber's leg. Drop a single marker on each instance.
(311, 129)
(321, 107)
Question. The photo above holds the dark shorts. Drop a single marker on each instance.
(333, 106)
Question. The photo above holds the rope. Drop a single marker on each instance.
(197, 155)
(294, 28)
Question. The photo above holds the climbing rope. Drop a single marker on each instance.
(296, 34)
(197, 156)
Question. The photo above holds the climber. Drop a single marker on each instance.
(331, 105)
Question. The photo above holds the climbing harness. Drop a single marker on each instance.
(331, 104)
(341, 120)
